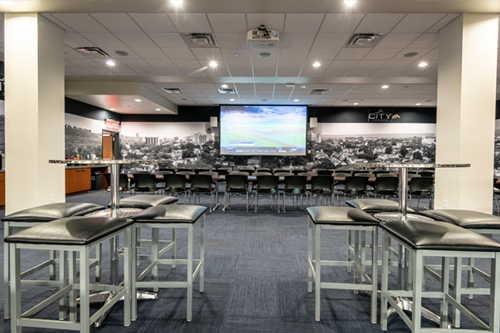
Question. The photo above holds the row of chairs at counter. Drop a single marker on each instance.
(327, 189)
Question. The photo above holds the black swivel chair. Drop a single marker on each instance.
(421, 187)
(201, 184)
(355, 186)
(386, 187)
(235, 184)
(176, 184)
(144, 183)
(295, 186)
(322, 186)
(267, 185)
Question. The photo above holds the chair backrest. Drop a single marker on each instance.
(426, 173)
(341, 174)
(357, 172)
(414, 172)
(390, 175)
(175, 182)
(235, 181)
(316, 170)
(380, 172)
(267, 182)
(363, 174)
(197, 171)
(324, 173)
(420, 184)
(343, 171)
(200, 182)
(261, 173)
(281, 170)
(263, 170)
(386, 184)
(222, 172)
(295, 182)
(146, 181)
(297, 171)
(321, 182)
(355, 183)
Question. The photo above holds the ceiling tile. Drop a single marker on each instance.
(421, 52)
(51, 18)
(417, 22)
(218, 71)
(71, 54)
(136, 63)
(340, 23)
(78, 71)
(207, 53)
(149, 52)
(385, 73)
(378, 23)
(100, 71)
(381, 54)
(239, 66)
(293, 54)
(234, 23)
(230, 40)
(179, 53)
(264, 72)
(360, 72)
(190, 22)
(190, 72)
(352, 53)
(125, 72)
(187, 64)
(85, 63)
(433, 55)
(397, 64)
(323, 54)
(292, 40)
(303, 23)
(330, 40)
(167, 39)
(444, 21)
(74, 40)
(310, 71)
(161, 63)
(343, 64)
(154, 22)
(80, 22)
(335, 72)
(271, 21)
(103, 39)
(117, 22)
(137, 39)
(426, 40)
(112, 52)
(289, 68)
(396, 40)
(229, 54)
(369, 64)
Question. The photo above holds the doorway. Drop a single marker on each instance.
(110, 145)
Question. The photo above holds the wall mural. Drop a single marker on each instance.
(83, 137)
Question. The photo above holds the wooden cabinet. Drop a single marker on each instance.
(77, 180)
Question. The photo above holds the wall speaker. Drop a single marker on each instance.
(213, 121)
(313, 122)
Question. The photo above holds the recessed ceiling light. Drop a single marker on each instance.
(295, 100)
(110, 62)
(418, 103)
(224, 86)
(316, 64)
(303, 87)
(232, 99)
(355, 103)
(137, 100)
(236, 54)
(349, 2)
(212, 64)
(158, 109)
(112, 109)
(385, 86)
(7, 2)
(177, 2)
(423, 64)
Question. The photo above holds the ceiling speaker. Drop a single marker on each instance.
(213, 121)
(313, 122)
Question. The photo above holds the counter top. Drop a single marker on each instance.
(86, 166)
(105, 162)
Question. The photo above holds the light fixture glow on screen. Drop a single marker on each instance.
(263, 130)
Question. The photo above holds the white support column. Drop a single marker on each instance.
(34, 111)
(465, 129)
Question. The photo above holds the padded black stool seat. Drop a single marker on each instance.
(352, 220)
(169, 217)
(30, 217)
(340, 215)
(51, 212)
(171, 214)
(70, 236)
(375, 205)
(77, 230)
(468, 219)
(424, 235)
(424, 239)
(146, 201)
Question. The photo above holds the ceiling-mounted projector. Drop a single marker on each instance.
(263, 39)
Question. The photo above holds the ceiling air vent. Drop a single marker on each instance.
(226, 91)
(319, 91)
(92, 50)
(364, 40)
(199, 39)
(172, 90)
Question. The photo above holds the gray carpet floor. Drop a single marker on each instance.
(255, 281)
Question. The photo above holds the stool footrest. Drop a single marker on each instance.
(46, 323)
(46, 302)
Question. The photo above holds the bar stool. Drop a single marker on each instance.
(70, 236)
(422, 239)
(341, 218)
(165, 217)
(31, 217)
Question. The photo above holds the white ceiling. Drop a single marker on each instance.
(159, 58)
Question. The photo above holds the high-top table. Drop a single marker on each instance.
(402, 215)
(403, 179)
(113, 212)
